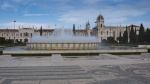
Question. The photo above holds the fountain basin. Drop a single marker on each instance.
(63, 45)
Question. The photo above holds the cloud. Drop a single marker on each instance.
(33, 4)
(79, 17)
(5, 5)
(35, 15)
(112, 14)
(116, 20)
(91, 1)
(70, 12)
(122, 13)
(17, 1)
(24, 24)
(118, 0)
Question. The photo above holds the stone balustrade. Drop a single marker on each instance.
(63, 46)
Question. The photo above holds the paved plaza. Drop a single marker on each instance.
(102, 69)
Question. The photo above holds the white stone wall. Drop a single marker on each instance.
(102, 33)
(25, 33)
(9, 34)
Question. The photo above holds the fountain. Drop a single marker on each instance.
(63, 39)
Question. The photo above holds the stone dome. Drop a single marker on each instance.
(100, 17)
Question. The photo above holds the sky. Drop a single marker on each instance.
(64, 13)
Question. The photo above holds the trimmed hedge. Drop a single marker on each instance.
(63, 54)
(148, 50)
(78, 54)
(1, 52)
(128, 53)
(30, 55)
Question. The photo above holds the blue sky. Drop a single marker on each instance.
(48, 13)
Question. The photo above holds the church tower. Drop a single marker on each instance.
(88, 28)
(100, 21)
(100, 26)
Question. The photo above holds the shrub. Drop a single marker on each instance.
(1, 52)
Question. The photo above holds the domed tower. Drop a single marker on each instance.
(100, 21)
(100, 26)
(88, 28)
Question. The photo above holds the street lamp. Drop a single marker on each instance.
(14, 31)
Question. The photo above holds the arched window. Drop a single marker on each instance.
(25, 40)
(20, 40)
(101, 32)
(101, 25)
(26, 34)
(20, 34)
(113, 33)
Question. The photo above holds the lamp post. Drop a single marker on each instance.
(14, 31)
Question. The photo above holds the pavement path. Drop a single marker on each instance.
(45, 75)
(55, 70)
(115, 57)
(102, 74)
(57, 58)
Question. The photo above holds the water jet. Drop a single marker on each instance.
(63, 39)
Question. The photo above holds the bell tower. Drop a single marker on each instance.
(88, 28)
(100, 26)
(100, 21)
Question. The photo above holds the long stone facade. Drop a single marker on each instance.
(101, 31)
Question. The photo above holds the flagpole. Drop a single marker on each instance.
(14, 31)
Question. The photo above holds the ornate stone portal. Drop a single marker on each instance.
(63, 46)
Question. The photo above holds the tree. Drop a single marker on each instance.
(132, 35)
(104, 41)
(74, 29)
(111, 40)
(141, 36)
(120, 38)
(147, 35)
(41, 31)
(9, 41)
(136, 36)
(125, 36)
(2, 40)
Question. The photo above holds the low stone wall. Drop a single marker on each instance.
(74, 51)
(143, 46)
